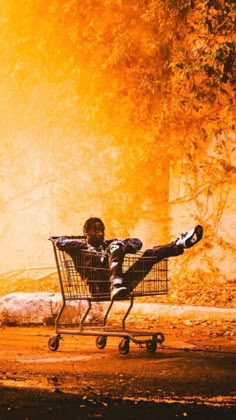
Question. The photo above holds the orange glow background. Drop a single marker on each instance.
(65, 158)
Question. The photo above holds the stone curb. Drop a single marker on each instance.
(35, 308)
(162, 311)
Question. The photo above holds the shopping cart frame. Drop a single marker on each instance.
(74, 288)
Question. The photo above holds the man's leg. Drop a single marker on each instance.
(115, 259)
(143, 265)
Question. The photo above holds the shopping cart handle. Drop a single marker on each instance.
(54, 238)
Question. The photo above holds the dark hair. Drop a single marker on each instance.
(91, 222)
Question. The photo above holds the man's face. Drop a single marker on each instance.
(95, 235)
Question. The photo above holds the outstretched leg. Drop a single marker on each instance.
(144, 264)
(123, 283)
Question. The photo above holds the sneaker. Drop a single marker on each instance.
(118, 291)
(191, 237)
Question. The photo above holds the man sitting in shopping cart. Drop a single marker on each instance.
(110, 256)
(102, 265)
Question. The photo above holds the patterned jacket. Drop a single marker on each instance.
(92, 263)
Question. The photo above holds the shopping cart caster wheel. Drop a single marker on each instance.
(151, 346)
(53, 343)
(101, 342)
(160, 338)
(124, 346)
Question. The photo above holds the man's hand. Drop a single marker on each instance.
(129, 249)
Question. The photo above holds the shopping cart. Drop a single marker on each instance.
(88, 284)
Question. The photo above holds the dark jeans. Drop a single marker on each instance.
(142, 266)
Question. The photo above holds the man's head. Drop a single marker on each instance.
(94, 230)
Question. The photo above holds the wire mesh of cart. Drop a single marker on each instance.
(84, 282)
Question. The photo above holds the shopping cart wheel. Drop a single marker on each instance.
(124, 346)
(53, 343)
(101, 341)
(159, 337)
(151, 346)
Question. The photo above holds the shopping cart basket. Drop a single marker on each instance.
(83, 280)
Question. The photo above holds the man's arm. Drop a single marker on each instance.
(132, 245)
(65, 243)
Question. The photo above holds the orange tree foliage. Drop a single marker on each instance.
(155, 76)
